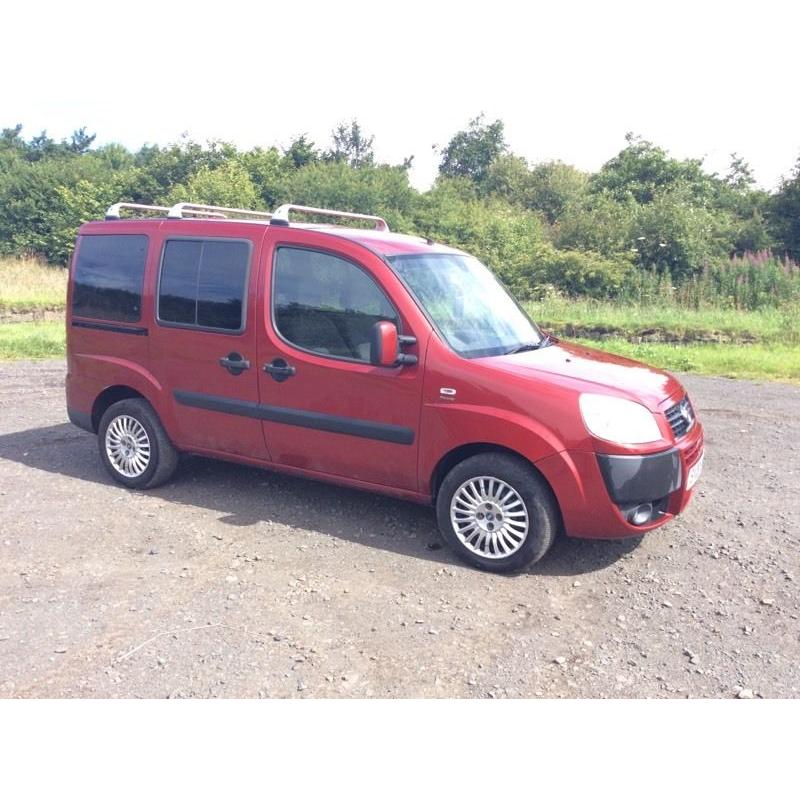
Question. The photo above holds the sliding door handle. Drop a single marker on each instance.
(234, 363)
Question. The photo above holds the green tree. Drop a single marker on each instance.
(740, 174)
(301, 151)
(228, 184)
(268, 170)
(642, 169)
(351, 145)
(503, 236)
(382, 189)
(601, 224)
(672, 233)
(784, 211)
(470, 153)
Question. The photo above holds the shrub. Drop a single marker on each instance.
(573, 272)
(499, 234)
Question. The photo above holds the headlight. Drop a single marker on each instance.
(618, 420)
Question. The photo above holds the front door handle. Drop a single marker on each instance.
(279, 369)
(235, 363)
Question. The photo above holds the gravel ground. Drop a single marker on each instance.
(235, 582)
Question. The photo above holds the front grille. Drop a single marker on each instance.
(680, 417)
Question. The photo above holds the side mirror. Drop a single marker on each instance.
(384, 344)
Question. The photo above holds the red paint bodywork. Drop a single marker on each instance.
(526, 403)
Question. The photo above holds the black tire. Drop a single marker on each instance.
(163, 457)
(540, 504)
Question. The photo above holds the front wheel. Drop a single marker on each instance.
(496, 512)
(134, 446)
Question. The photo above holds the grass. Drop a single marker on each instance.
(670, 322)
(32, 340)
(774, 362)
(27, 284)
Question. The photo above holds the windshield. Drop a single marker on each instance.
(468, 305)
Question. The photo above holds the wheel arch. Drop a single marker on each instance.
(107, 398)
(464, 451)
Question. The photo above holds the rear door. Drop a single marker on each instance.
(203, 345)
(326, 408)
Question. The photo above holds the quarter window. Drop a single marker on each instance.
(107, 280)
(326, 304)
(203, 283)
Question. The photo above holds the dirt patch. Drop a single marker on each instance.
(236, 582)
(39, 315)
(648, 335)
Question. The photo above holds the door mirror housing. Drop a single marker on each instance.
(385, 344)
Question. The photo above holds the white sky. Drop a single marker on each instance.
(567, 78)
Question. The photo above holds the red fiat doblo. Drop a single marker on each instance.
(370, 359)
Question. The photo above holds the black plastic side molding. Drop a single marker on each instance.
(382, 431)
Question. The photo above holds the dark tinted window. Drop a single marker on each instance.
(326, 304)
(108, 277)
(203, 283)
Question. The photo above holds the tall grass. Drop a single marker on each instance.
(752, 281)
(666, 320)
(27, 284)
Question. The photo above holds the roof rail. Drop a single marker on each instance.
(179, 210)
(113, 212)
(281, 215)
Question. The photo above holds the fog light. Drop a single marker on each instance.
(641, 514)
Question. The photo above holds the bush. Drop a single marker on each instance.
(381, 190)
(573, 272)
(226, 185)
(499, 234)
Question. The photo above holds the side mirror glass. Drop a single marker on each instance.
(384, 344)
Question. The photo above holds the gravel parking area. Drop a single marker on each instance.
(236, 582)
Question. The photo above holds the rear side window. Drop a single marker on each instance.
(108, 275)
(203, 283)
(326, 304)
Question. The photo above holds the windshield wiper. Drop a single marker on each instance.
(522, 348)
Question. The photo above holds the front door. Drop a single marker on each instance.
(203, 346)
(326, 407)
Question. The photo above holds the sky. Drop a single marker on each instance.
(567, 78)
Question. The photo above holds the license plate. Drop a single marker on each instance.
(694, 472)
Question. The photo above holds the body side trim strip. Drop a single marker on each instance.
(382, 431)
(107, 326)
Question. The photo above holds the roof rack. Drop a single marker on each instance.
(179, 210)
(114, 212)
(281, 215)
(182, 210)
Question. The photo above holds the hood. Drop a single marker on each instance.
(592, 371)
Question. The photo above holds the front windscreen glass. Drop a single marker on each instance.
(468, 305)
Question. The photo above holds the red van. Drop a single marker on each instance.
(375, 360)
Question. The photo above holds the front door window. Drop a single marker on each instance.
(326, 305)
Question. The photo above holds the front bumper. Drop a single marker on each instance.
(597, 493)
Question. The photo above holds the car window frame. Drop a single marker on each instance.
(242, 329)
(74, 271)
(328, 252)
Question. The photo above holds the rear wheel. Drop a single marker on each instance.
(134, 446)
(496, 512)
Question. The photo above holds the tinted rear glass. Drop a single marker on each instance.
(108, 275)
(177, 297)
(203, 283)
